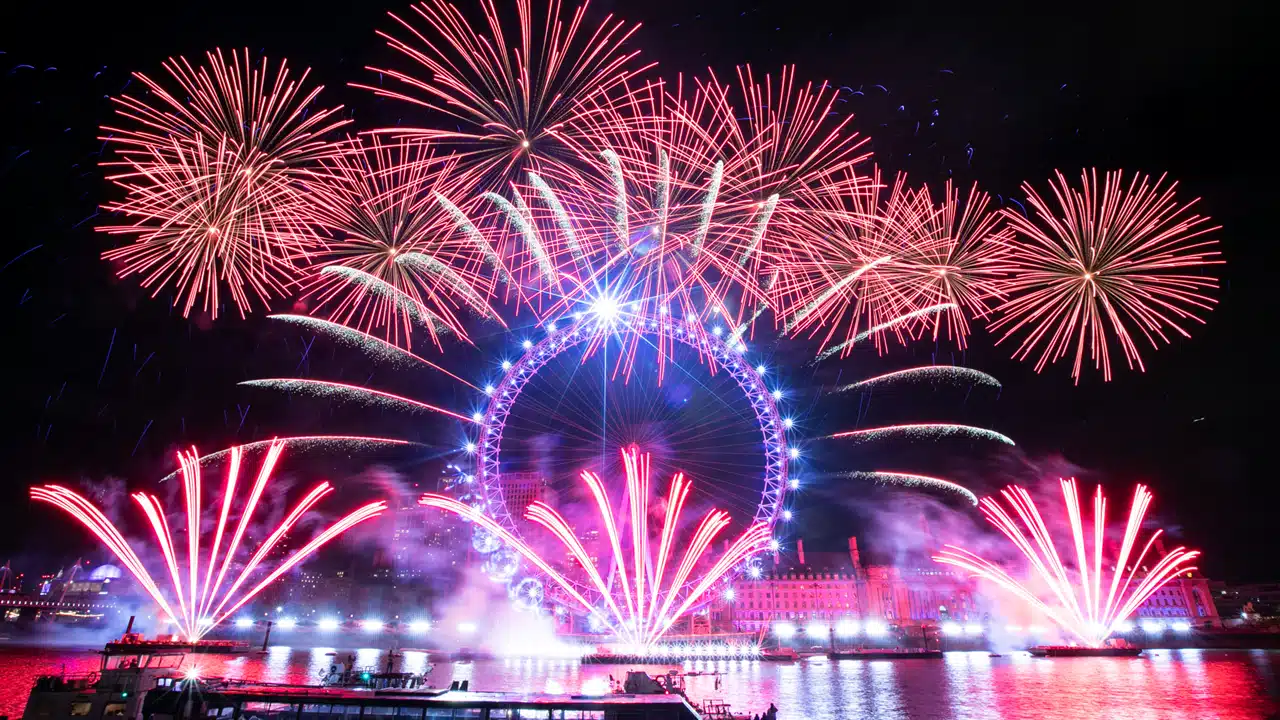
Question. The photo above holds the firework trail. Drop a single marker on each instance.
(208, 170)
(1083, 603)
(887, 325)
(196, 605)
(373, 346)
(637, 613)
(933, 373)
(302, 443)
(355, 393)
(383, 206)
(924, 431)
(513, 102)
(1110, 263)
(913, 480)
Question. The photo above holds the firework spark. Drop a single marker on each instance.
(924, 431)
(1083, 602)
(513, 103)
(355, 393)
(637, 613)
(203, 224)
(860, 265)
(887, 325)
(893, 477)
(933, 373)
(375, 347)
(303, 443)
(384, 207)
(199, 606)
(208, 167)
(1111, 262)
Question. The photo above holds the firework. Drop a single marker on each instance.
(888, 324)
(203, 225)
(375, 347)
(1083, 602)
(384, 207)
(925, 431)
(356, 393)
(914, 480)
(860, 265)
(198, 605)
(963, 260)
(208, 167)
(638, 613)
(933, 373)
(304, 443)
(512, 102)
(1110, 263)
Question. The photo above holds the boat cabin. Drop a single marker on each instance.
(115, 690)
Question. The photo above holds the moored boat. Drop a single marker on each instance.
(1074, 651)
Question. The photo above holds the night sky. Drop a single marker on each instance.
(105, 382)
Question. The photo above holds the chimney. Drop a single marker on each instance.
(800, 550)
(854, 557)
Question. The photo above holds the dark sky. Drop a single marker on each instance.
(104, 381)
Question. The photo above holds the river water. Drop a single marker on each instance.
(1164, 684)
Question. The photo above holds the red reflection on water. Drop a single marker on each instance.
(1191, 684)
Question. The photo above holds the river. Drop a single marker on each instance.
(1164, 684)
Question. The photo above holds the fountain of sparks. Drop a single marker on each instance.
(1079, 605)
(199, 604)
(637, 598)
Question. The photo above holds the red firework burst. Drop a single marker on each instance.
(401, 251)
(208, 167)
(859, 265)
(201, 222)
(201, 598)
(1108, 263)
(513, 102)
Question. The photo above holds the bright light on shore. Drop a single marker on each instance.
(286, 623)
(328, 624)
(244, 622)
(419, 626)
(371, 625)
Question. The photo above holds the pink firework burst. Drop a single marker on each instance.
(638, 596)
(1090, 599)
(860, 266)
(200, 597)
(203, 224)
(1111, 262)
(216, 152)
(400, 252)
(512, 100)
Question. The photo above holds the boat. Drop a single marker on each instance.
(117, 689)
(885, 654)
(782, 654)
(219, 647)
(638, 682)
(1074, 651)
(228, 699)
(141, 682)
(345, 673)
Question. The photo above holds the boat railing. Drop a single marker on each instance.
(66, 683)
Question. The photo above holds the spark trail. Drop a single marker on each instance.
(640, 615)
(913, 480)
(1082, 600)
(924, 431)
(356, 393)
(932, 373)
(200, 606)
